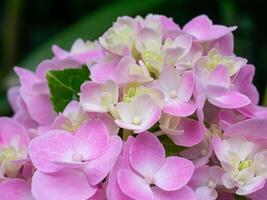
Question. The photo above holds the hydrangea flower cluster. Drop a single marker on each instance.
(166, 113)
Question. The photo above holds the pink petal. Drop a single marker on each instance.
(243, 83)
(225, 45)
(256, 185)
(187, 86)
(200, 177)
(133, 185)
(193, 133)
(113, 190)
(260, 194)
(103, 72)
(91, 140)
(55, 145)
(179, 108)
(206, 193)
(150, 121)
(10, 128)
(214, 91)
(58, 52)
(230, 100)
(219, 76)
(44, 67)
(147, 154)
(256, 126)
(218, 147)
(98, 169)
(185, 193)
(68, 184)
(174, 174)
(203, 30)
(44, 114)
(15, 189)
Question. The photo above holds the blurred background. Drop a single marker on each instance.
(28, 28)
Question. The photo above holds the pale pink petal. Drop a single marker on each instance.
(55, 145)
(206, 193)
(214, 91)
(91, 140)
(203, 30)
(174, 174)
(44, 114)
(147, 154)
(58, 52)
(187, 86)
(90, 97)
(230, 100)
(243, 83)
(193, 133)
(68, 184)
(148, 123)
(227, 181)
(256, 126)
(200, 177)
(179, 108)
(9, 128)
(15, 189)
(113, 190)
(44, 67)
(225, 45)
(98, 169)
(185, 193)
(219, 76)
(134, 186)
(218, 147)
(257, 184)
(260, 194)
(103, 72)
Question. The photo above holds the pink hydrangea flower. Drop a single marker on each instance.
(15, 189)
(145, 173)
(139, 115)
(14, 140)
(72, 117)
(81, 52)
(149, 77)
(81, 161)
(182, 131)
(203, 30)
(205, 180)
(242, 156)
(96, 97)
(177, 89)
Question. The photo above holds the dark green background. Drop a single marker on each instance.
(28, 28)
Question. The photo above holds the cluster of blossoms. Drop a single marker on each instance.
(150, 82)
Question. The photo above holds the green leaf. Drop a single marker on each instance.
(170, 148)
(65, 85)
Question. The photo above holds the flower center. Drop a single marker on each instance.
(173, 94)
(77, 157)
(8, 153)
(153, 61)
(136, 120)
(244, 164)
(150, 180)
(203, 152)
(134, 91)
(212, 184)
